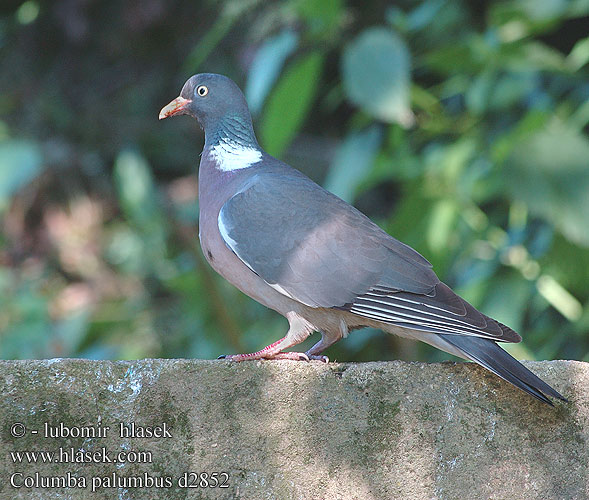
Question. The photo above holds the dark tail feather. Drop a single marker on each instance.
(488, 354)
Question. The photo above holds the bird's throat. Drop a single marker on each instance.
(229, 155)
(232, 145)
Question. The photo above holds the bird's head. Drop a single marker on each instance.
(209, 98)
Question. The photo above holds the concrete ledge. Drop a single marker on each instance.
(285, 430)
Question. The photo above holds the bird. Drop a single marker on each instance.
(302, 251)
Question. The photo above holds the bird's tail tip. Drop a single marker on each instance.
(491, 356)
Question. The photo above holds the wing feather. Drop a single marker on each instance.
(314, 247)
(439, 312)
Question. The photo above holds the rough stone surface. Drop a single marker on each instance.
(285, 430)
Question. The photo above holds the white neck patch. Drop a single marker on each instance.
(230, 155)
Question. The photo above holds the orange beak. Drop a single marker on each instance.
(176, 107)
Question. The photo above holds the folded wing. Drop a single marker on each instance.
(313, 247)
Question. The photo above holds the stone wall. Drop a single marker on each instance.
(286, 430)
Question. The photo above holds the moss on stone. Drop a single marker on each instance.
(289, 430)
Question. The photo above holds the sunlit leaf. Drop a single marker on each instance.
(442, 220)
(550, 173)
(424, 14)
(542, 11)
(375, 68)
(535, 55)
(290, 102)
(579, 56)
(352, 161)
(266, 67)
(506, 302)
(559, 297)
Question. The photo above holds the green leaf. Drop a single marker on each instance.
(489, 91)
(559, 297)
(441, 224)
(512, 89)
(136, 188)
(71, 330)
(290, 102)
(452, 59)
(550, 173)
(535, 56)
(20, 163)
(535, 120)
(507, 302)
(376, 76)
(542, 11)
(579, 56)
(478, 94)
(322, 17)
(232, 12)
(138, 198)
(424, 14)
(580, 118)
(352, 162)
(266, 67)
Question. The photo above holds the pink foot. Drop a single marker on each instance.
(293, 356)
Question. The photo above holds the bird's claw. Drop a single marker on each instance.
(318, 357)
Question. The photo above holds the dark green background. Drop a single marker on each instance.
(488, 176)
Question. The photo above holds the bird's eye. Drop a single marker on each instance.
(202, 90)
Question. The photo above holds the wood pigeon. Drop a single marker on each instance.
(302, 251)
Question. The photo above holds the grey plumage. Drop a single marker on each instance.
(488, 354)
(323, 252)
(307, 254)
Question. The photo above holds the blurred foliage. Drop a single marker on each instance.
(460, 127)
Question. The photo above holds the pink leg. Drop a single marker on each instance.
(299, 330)
(300, 356)
(324, 343)
(269, 352)
(273, 351)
